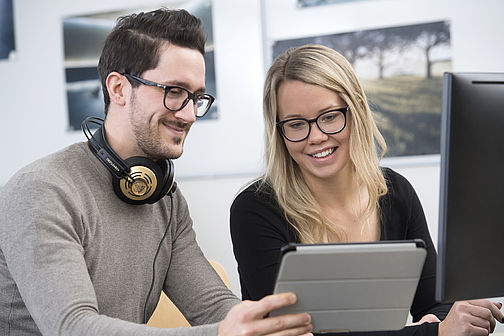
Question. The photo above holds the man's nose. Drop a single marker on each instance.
(188, 113)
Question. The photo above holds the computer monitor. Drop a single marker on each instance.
(471, 203)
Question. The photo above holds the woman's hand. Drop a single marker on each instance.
(426, 318)
(474, 317)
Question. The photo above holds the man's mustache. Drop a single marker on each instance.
(179, 124)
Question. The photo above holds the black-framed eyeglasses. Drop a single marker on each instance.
(176, 97)
(329, 122)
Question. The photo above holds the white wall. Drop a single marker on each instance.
(221, 156)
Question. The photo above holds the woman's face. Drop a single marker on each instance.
(320, 156)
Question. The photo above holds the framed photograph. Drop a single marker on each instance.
(314, 3)
(7, 42)
(401, 70)
(84, 36)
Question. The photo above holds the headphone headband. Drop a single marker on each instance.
(107, 155)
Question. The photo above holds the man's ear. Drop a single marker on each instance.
(117, 88)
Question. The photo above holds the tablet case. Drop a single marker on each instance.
(352, 286)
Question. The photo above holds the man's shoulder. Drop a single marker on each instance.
(62, 157)
(47, 184)
(57, 166)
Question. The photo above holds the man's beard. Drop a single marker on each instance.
(151, 144)
(149, 140)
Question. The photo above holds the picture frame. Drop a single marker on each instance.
(7, 36)
(401, 70)
(83, 38)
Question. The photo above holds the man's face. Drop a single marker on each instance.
(160, 133)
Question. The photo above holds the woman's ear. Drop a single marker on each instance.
(116, 87)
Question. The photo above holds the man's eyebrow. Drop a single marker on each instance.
(183, 84)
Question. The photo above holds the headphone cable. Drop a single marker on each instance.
(155, 257)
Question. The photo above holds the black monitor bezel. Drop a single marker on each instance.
(469, 250)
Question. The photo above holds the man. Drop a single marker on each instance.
(87, 238)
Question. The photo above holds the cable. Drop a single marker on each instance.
(155, 257)
(85, 125)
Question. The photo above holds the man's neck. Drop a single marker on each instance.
(120, 136)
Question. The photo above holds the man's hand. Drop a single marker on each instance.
(475, 317)
(247, 318)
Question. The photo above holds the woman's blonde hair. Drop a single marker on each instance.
(322, 66)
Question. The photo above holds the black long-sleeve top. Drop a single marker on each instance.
(259, 230)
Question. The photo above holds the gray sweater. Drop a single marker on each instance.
(76, 260)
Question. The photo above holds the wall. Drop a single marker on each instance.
(221, 156)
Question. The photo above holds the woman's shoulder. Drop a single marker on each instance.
(257, 198)
(258, 190)
(400, 191)
(256, 210)
(395, 181)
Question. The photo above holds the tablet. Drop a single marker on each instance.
(352, 286)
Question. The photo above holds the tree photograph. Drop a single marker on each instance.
(401, 69)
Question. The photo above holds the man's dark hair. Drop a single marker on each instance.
(133, 45)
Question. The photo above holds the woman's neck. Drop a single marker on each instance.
(337, 192)
(343, 201)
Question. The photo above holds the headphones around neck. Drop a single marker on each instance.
(136, 180)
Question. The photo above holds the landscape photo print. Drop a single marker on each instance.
(401, 69)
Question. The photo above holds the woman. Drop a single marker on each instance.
(323, 183)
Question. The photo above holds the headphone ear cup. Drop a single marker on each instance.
(168, 185)
(143, 184)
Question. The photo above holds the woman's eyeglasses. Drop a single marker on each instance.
(329, 122)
